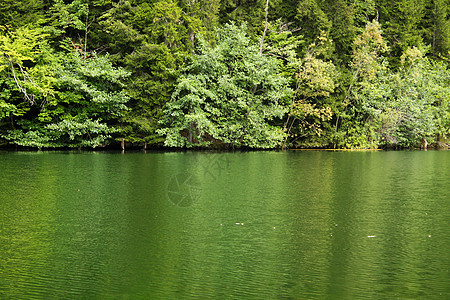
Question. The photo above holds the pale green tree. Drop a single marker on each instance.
(230, 96)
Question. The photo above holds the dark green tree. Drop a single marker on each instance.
(18, 13)
(401, 20)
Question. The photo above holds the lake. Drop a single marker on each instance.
(237, 225)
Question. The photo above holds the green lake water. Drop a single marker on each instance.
(253, 225)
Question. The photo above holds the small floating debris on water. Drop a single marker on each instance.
(239, 223)
(371, 236)
(429, 235)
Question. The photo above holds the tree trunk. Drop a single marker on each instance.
(86, 33)
(265, 28)
(424, 144)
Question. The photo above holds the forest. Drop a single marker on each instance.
(224, 74)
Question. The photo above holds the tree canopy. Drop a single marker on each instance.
(224, 73)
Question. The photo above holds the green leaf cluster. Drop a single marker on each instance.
(230, 95)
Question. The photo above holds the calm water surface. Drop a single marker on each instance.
(262, 225)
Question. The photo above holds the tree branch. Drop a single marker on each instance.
(265, 28)
(27, 97)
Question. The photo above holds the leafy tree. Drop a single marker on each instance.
(26, 79)
(355, 130)
(230, 95)
(66, 105)
(402, 108)
(315, 81)
(78, 20)
(152, 41)
(421, 100)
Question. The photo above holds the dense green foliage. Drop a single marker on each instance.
(229, 95)
(224, 73)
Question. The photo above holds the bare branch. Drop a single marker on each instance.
(265, 28)
(29, 98)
